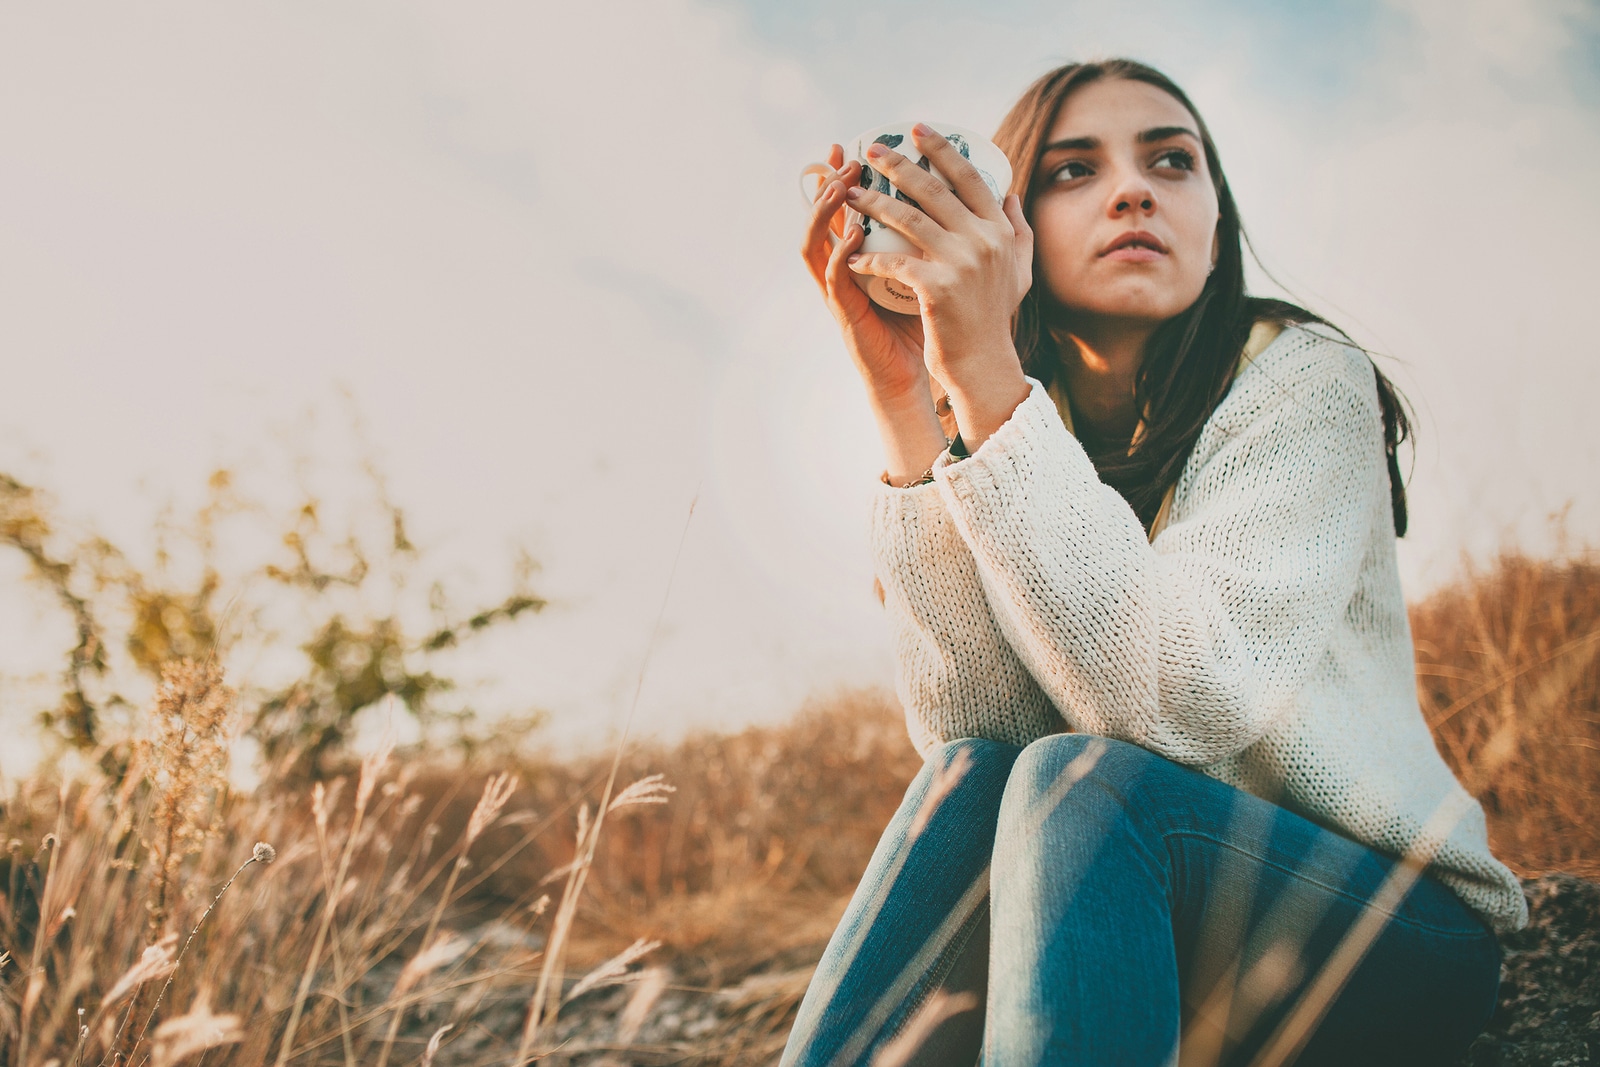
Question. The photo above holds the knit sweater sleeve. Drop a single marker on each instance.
(1193, 646)
(955, 674)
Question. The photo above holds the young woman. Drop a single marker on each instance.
(1136, 544)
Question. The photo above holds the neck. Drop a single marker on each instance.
(1100, 361)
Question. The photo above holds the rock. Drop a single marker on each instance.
(1549, 1013)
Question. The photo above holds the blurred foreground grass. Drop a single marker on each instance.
(406, 899)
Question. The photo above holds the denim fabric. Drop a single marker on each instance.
(1086, 901)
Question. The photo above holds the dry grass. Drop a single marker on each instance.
(408, 910)
(1508, 669)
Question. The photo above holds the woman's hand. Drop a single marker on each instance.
(887, 348)
(976, 265)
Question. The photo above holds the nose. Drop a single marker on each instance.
(1131, 195)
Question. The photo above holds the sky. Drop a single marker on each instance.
(547, 256)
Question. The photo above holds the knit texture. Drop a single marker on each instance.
(1262, 636)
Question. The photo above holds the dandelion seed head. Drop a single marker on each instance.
(263, 852)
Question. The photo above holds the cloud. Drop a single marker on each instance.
(550, 249)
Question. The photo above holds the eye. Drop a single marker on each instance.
(1070, 170)
(1175, 159)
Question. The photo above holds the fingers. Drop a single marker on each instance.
(969, 185)
(896, 266)
(848, 301)
(899, 216)
(815, 247)
(918, 187)
(1023, 249)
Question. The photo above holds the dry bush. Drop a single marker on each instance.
(331, 613)
(448, 884)
(761, 845)
(320, 944)
(1508, 669)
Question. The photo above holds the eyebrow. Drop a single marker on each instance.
(1155, 133)
(1163, 133)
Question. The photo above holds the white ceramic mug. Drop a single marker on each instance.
(981, 152)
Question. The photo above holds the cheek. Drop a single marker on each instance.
(1194, 233)
(1062, 253)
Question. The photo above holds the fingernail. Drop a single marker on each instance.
(853, 193)
(922, 129)
(852, 257)
(875, 150)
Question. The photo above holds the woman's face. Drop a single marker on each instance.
(1126, 215)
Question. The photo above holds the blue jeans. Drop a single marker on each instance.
(1086, 901)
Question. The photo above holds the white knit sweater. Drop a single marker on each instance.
(1261, 636)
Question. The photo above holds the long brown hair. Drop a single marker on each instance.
(1189, 361)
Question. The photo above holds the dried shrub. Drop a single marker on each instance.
(1508, 670)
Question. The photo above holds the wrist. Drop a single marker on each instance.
(900, 403)
(974, 368)
(910, 444)
(984, 404)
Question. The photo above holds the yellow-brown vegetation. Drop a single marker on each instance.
(405, 910)
(1508, 671)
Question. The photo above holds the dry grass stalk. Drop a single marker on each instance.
(546, 1000)
(651, 789)
(433, 1044)
(1296, 1029)
(652, 983)
(742, 877)
(945, 779)
(613, 969)
(196, 1032)
(261, 853)
(496, 791)
(1538, 630)
(155, 962)
(1508, 671)
(939, 1007)
(186, 763)
(370, 769)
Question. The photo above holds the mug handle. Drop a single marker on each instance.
(812, 179)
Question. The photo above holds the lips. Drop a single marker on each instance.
(1134, 242)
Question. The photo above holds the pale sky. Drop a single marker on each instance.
(550, 251)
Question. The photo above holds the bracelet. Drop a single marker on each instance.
(927, 476)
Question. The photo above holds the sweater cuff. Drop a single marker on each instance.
(1033, 416)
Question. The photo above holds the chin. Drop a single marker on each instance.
(1129, 298)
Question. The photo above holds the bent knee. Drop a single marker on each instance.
(978, 751)
(1053, 765)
